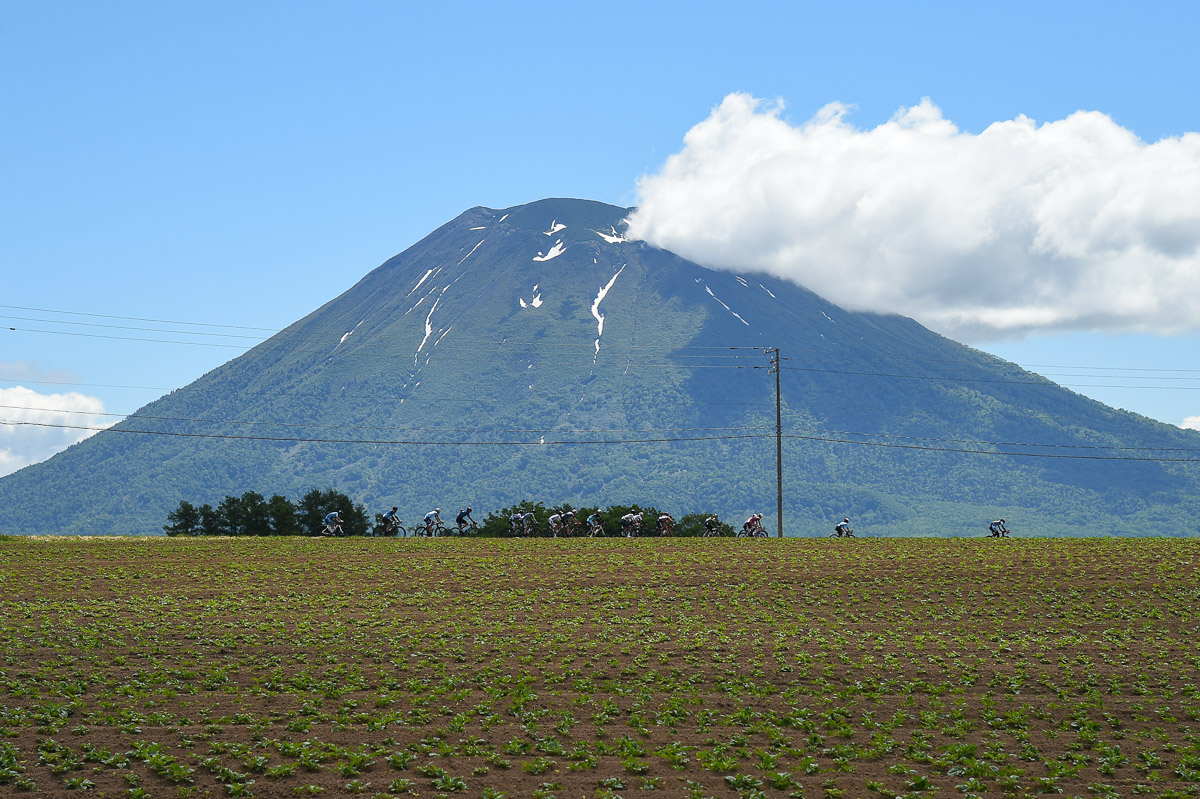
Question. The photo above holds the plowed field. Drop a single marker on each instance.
(596, 668)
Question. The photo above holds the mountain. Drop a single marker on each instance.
(504, 329)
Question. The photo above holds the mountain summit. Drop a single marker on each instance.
(534, 353)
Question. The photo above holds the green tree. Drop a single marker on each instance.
(184, 520)
(210, 521)
(316, 504)
(282, 516)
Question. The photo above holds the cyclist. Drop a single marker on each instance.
(595, 526)
(666, 524)
(555, 521)
(463, 518)
(842, 529)
(434, 517)
(390, 520)
(629, 523)
(516, 523)
(333, 524)
(753, 523)
(527, 522)
(712, 525)
(998, 530)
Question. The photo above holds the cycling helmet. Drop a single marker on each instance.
(1002, 521)
(437, 510)
(846, 520)
(395, 508)
(468, 509)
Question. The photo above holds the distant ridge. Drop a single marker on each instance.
(540, 322)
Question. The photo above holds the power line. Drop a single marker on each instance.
(132, 318)
(991, 452)
(586, 344)
(589, 431)
(824, 439)
(128, 327)
(374, 427)
(297, 440)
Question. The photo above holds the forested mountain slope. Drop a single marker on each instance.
(453, 373)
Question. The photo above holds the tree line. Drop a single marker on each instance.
(254, 514)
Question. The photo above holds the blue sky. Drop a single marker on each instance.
(243, 163)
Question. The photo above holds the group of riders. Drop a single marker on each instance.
(566, 523)
(433, 524)
(561, 523)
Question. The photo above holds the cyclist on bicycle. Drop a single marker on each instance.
(516, 523)
(666, 524)
(434, 517)
(561, 523)
(753, 523)
(842, 529)
(463, 518)
(333, 524)
(527, 522)
(390, 520)
(595, 526)
(711, 524)
(629, 522)
(998, 529)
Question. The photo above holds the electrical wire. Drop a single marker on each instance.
(824, 439)
(378, 427)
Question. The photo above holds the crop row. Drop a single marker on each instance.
(172, 667)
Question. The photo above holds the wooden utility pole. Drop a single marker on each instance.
(775, 364)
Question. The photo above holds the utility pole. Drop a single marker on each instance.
(773, 354)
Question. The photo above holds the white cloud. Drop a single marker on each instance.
(23, 444)
(1191, 423)
(1074, 224)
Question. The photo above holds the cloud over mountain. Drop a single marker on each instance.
(29, 439)
(1073, 224)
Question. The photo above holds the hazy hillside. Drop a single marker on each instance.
(508, 328)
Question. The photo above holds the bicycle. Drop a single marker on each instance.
(336, 531)
(564, 529)
(596, 530)
(633, 530)
(438, 529)
(839, 534)
(666, 527)
(470, 529)
(756, 531)
(385, 530)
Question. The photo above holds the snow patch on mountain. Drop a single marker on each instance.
(555, 226)
(428, 325)
(422, 280)
(726, 307)
(473, 249)
(535, 302)
(615, 238)
(343, 339)
(764, 288)
(481, 227)
(596, 309)
(555, 251)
